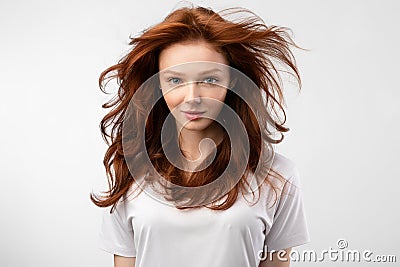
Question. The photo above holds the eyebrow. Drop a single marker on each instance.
(179, 73)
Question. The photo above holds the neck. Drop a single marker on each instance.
(191, 145)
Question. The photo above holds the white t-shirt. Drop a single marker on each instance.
(160, 235)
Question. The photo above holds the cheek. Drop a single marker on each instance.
(215, 102)
(212, 99)
(218, 95)
(172, 99)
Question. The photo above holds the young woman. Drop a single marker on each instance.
(191, 140)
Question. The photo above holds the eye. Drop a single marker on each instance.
(210, 80)
(174, 81)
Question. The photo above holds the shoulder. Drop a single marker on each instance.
(283, 163)
(286, 167)
(274, 173)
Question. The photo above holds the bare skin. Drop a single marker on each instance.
(120, 261)
(191, 96)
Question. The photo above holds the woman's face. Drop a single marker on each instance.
(194, 78)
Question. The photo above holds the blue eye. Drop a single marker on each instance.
(174, 80)
(210, 80)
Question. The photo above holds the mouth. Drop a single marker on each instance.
(193, 115)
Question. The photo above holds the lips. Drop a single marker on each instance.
(193, 115)
(194, 112)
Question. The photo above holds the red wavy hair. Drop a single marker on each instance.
(250, 46)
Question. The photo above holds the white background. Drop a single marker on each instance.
(344, 122)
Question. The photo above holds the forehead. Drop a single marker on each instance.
(190, 51)
(196, 69)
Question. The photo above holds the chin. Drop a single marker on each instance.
(197, 125)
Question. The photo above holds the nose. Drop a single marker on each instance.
(192, 93)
